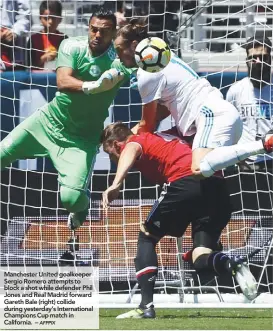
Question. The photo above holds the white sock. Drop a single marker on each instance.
(226, 156)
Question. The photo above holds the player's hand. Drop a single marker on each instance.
(107, 81)
(110, 195)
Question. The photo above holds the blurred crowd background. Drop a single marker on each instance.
(32, 30)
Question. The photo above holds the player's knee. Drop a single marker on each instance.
(195, 166)
(199, 172)
(195, 170)
(73, 200)
(205, 168)
(199, 166)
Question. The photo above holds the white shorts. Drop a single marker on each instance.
(218, 124)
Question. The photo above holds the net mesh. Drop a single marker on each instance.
(208, 34)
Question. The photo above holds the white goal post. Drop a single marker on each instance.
(211, 38)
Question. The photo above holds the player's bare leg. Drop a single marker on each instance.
(198, 251)
(75, 220)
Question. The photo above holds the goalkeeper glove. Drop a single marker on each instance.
(107, 81)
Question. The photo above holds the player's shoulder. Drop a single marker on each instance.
(148, 80)
(150, 75)
(117, 64)
(143, 138)
(156, 138)
(240, 84)
(140, 136)
(74, 44)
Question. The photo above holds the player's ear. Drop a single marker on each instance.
(118, 146)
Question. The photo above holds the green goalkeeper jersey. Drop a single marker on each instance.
(77, 115)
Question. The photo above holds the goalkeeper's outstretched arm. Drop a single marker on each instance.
(67, 66)
(66, 82)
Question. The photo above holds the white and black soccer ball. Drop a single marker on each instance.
(152, 54)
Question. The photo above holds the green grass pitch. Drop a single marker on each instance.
(191, 319)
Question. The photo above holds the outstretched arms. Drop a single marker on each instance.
(67, 65)
(107, 81)
(66, 82)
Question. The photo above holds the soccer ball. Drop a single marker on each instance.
(152, 54)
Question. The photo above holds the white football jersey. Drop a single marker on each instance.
(180, 89)
(255, 106)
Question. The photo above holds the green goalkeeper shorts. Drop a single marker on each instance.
(73, 159)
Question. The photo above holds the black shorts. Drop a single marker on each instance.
(203, 203)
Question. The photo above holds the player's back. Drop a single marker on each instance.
(165, 158)
(179, 88)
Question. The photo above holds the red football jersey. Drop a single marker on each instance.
(164, 159)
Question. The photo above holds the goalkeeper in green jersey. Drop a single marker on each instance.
(68, 129)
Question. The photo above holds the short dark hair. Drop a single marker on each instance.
(55, 7)
(115, 131)
(254, 42)
(104, 14)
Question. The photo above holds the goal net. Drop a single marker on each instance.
(210, 36)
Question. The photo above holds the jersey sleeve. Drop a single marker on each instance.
(140, 140)
(67, 54)
(150, 86)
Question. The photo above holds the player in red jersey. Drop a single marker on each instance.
(166, 159)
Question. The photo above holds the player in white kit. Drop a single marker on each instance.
(196, 106)
(253, 95)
